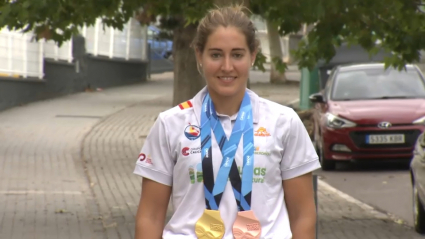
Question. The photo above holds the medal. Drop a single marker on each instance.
(210, 225)
(246, 226)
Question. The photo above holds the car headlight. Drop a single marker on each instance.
(420, 121)
(333, 121)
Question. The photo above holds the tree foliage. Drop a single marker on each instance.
(394, 25)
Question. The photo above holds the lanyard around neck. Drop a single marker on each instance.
(243, 126)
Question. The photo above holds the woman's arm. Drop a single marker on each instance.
(150, 218)
(299, 198)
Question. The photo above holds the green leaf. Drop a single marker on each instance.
(260, 60)
(279, 64)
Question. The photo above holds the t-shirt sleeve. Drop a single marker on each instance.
(299, 155)
(155, 161)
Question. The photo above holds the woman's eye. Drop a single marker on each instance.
(237, 55)
(216, 55)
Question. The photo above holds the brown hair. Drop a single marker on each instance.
(231, 16)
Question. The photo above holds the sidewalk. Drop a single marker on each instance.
(66, 167)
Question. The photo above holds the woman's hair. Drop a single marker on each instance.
(231, 16)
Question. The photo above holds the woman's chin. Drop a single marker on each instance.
(227, 91)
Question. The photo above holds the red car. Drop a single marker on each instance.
(367, 112)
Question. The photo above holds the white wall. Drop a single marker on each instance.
(19, 56)
(22, 57)
(130, 43)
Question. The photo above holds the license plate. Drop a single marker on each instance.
(385, 139)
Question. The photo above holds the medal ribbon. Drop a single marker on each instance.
(228, 169)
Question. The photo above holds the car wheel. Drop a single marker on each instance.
(418, 212)
(327, 165)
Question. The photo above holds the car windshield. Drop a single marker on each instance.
(377, 83)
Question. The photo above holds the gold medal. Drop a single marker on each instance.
(210, 225)
(246, 225)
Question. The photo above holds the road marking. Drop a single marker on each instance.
(39, 192)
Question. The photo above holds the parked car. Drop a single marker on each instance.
(417, 173)
(367, 112)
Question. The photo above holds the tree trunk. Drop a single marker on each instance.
(275, 51)
(187, 80)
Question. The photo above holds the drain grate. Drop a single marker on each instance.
(79, 116)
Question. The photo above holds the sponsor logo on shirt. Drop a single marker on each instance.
(261, 132)
(186, 151)
(192, 132)
(258, 152)
(144, 158)
(196, 174)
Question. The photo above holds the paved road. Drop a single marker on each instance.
(385, 186)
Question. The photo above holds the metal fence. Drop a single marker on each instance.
(23, 57)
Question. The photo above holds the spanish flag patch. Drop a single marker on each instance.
(185, 105)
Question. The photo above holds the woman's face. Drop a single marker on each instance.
(226, 61)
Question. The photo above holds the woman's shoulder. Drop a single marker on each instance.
(275, 109)
(178, 112)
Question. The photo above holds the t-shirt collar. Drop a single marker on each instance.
(199, 97)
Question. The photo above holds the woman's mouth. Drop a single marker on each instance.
(227, 78)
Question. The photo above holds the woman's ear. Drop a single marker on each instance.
(198, 54)
(253, 56)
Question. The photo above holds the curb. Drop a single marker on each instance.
(379, 214)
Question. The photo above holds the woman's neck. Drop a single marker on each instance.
(227, 105)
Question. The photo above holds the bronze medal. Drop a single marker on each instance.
(246, 226)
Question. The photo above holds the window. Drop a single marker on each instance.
(378, 83)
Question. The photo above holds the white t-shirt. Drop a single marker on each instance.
(171, 156)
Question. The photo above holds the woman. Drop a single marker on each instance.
(232, 162)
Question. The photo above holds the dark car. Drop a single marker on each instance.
(417, 172)
(366, 112)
